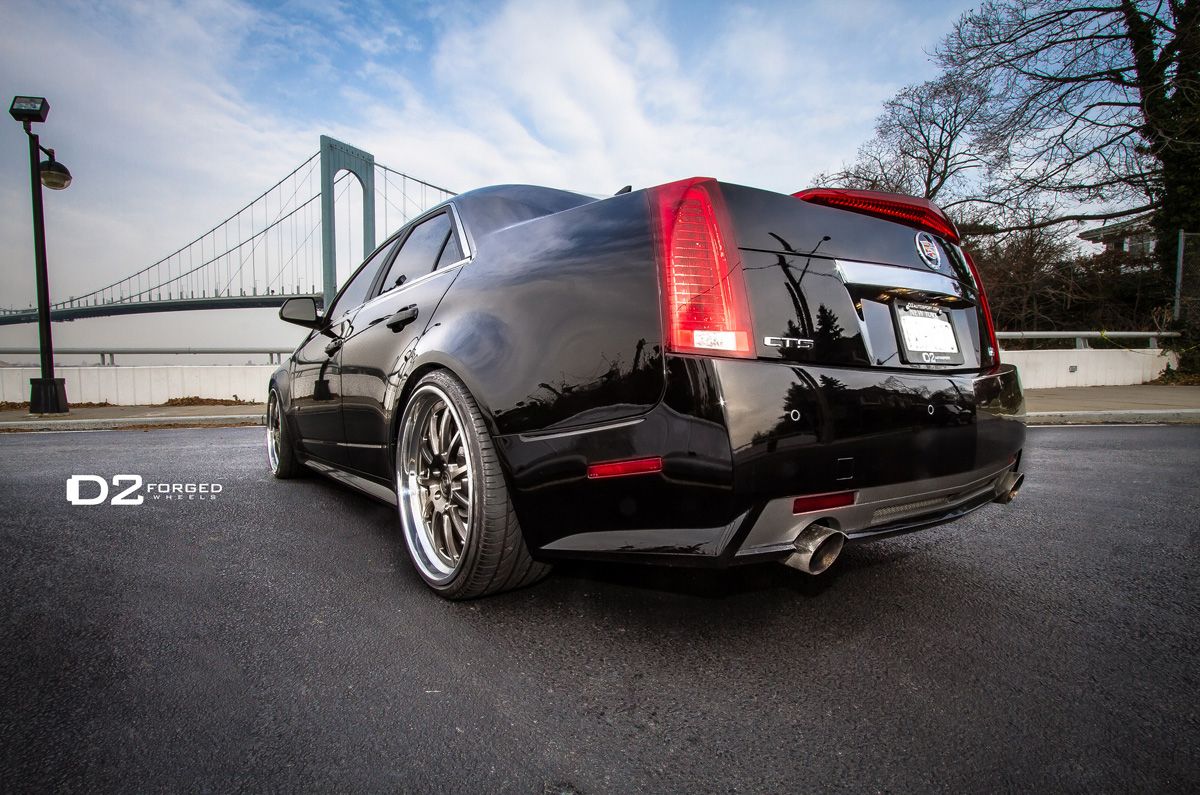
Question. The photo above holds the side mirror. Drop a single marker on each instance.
(302, 311)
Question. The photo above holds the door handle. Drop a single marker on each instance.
(333, 347)
(402, 317)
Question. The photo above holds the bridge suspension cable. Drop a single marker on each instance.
(268, 249)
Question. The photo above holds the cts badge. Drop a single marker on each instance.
(927, 247)
(798, 343)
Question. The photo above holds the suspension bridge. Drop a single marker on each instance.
(282, 244)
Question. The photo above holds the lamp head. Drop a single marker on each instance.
(29, 109)
(55, 175)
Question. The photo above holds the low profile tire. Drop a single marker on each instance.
(281, 453)
(458, 522)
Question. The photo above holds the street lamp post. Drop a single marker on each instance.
(47, 395)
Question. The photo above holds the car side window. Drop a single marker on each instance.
(355, 292)
(419, 252)
(451, 253)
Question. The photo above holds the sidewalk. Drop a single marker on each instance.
(1065, 406)
(96, 418)
(1113, 404)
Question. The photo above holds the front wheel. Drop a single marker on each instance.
(281, 454)
(458, 522)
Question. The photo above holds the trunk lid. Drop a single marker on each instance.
(834, 287)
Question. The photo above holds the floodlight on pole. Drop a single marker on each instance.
(47, 395)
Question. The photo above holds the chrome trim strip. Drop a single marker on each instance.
(540, 437)
(358, 444)
(368, 487)
(467, 249)
(894, 276)
(777, 526)
(392, 293)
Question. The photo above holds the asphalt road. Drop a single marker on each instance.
(276, 638)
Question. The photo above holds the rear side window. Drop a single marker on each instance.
(452, 252)
(419, 252)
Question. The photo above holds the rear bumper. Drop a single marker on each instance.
(741, 439)
(877, 512)
(808, 430)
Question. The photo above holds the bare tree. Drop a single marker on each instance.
(1094, 107)
(921, 145)
(930, 124)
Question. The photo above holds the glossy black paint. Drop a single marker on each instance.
(555, 326)
(315, 393)
(556, 323)
(839, 429)
(376, 349)
(773, 222)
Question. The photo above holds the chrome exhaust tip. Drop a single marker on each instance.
(1009, 488)
(817, 547)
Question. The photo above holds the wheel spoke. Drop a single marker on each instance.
(460, 527)
(443, 428)
(431, 433)
(455, 471)
(460, 498)
(448, 535)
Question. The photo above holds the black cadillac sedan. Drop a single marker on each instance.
(697, 373)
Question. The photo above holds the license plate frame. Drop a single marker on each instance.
(925, 334)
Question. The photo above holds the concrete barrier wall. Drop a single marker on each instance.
(142, 386)
(1047, 369)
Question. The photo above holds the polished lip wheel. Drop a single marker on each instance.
(273, 431)
(433, 470)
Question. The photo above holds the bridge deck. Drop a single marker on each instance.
(141, 307)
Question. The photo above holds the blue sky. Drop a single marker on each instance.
(173, 114)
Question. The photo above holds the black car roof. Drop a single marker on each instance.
(486, 210)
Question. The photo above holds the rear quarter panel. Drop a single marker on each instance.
(556, 323)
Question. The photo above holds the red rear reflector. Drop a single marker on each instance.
(616, 469)
(703, 287)
(823, 502)
(991, 357)
(909, 210)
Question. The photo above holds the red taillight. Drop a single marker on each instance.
(822, 502)
(991, 356)
(703, 287)
(909, 210)
(616, 469)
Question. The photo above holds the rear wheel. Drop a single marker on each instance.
(281, 454)
(458, 522)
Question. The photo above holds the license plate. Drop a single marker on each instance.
(926, 335)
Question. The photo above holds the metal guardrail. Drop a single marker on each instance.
(1081, 337)
(274, 355)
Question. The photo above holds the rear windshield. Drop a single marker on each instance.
(484, 211)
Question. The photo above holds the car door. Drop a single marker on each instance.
(316, 388)
(385, 331)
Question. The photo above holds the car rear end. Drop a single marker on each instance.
(853, 356)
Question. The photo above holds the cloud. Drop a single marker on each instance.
(173, 115)
(143, 111)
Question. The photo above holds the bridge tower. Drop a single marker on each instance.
(335, 158)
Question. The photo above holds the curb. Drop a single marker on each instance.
(1121, 416)
(135, 423)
